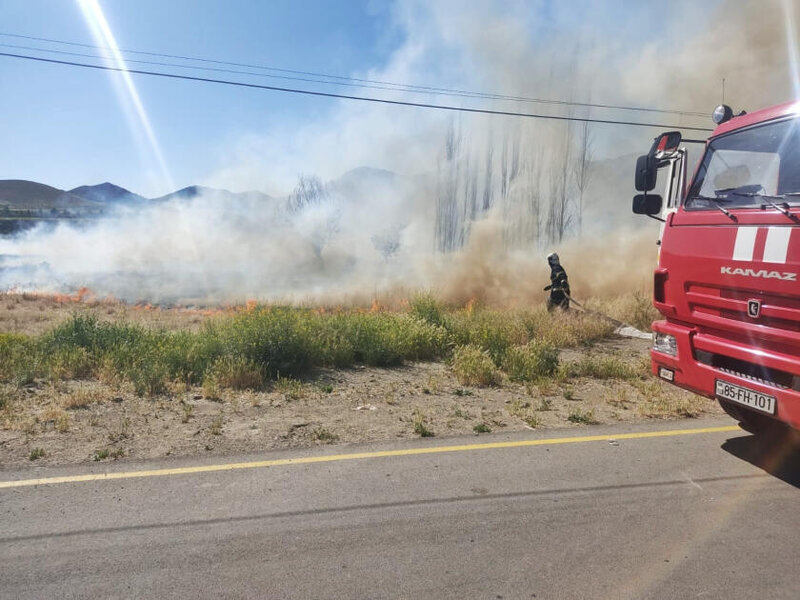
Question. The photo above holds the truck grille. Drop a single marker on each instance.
(779, 313)
(752, 372)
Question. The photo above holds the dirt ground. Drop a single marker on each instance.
(80, 421)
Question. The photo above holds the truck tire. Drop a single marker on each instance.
(749, 420)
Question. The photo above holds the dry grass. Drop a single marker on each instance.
(58, 418)
(81, 396)
(421, 424)
(524, 411)
(290, 388)
(662, 402)
(635, 309)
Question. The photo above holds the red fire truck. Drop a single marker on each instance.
(728, 266)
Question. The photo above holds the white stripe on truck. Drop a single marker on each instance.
(777, 244)
(745, 242)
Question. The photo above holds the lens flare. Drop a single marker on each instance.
(129, 96)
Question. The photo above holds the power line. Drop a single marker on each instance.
(348, 97)
(236, 72)
(366, 83)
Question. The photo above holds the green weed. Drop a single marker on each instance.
(531, 362)
(473, 366)
(584, 417)
(420, 426)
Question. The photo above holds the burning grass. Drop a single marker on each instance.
(257, 345)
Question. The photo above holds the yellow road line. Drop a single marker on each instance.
(260, 464)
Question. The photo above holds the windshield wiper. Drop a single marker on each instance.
(768, 200)
(718, 204)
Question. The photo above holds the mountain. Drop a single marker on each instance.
(46, 201)
(188, 193)
(108, 194)
(18, 194)
(367, 175)
(193, 191)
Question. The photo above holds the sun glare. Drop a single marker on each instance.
(129, 96)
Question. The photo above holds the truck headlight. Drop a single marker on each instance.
(666, 344)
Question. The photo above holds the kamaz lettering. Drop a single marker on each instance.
(763, 273)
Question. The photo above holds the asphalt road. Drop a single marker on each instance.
(714, 515)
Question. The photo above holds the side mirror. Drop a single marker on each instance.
(647, 204)
(646, 172)
(666, 144)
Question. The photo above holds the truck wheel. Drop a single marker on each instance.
(748, 420)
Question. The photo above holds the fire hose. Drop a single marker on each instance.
(621, 328)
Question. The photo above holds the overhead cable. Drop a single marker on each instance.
(358, 82)
(484, 111)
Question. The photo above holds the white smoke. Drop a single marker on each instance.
(367, 239)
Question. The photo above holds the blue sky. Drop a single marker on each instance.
(66, 126)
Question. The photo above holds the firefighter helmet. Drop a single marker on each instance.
(552, 259)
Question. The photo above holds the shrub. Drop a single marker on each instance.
(474, 366)
(492, 331)
(532, 361)
(20, 362)
(69, 363)
(149, 376)
(380, 339)
(278, 339)
(427, 308)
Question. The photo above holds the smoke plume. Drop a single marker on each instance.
(470, 204)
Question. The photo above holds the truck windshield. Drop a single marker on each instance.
(750, 168)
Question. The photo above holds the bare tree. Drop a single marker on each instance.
(487, 180)
(582, 169)
(387, 242)
(448, 216)
(559, 218)
(533, 171)
(318, 226)
(309, 191)
(504, 169)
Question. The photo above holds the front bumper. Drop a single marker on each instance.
(699, 377)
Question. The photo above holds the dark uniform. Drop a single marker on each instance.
(559, 285)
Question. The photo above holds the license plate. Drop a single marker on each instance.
(746, 397)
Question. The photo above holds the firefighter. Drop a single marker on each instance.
(559, 285)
